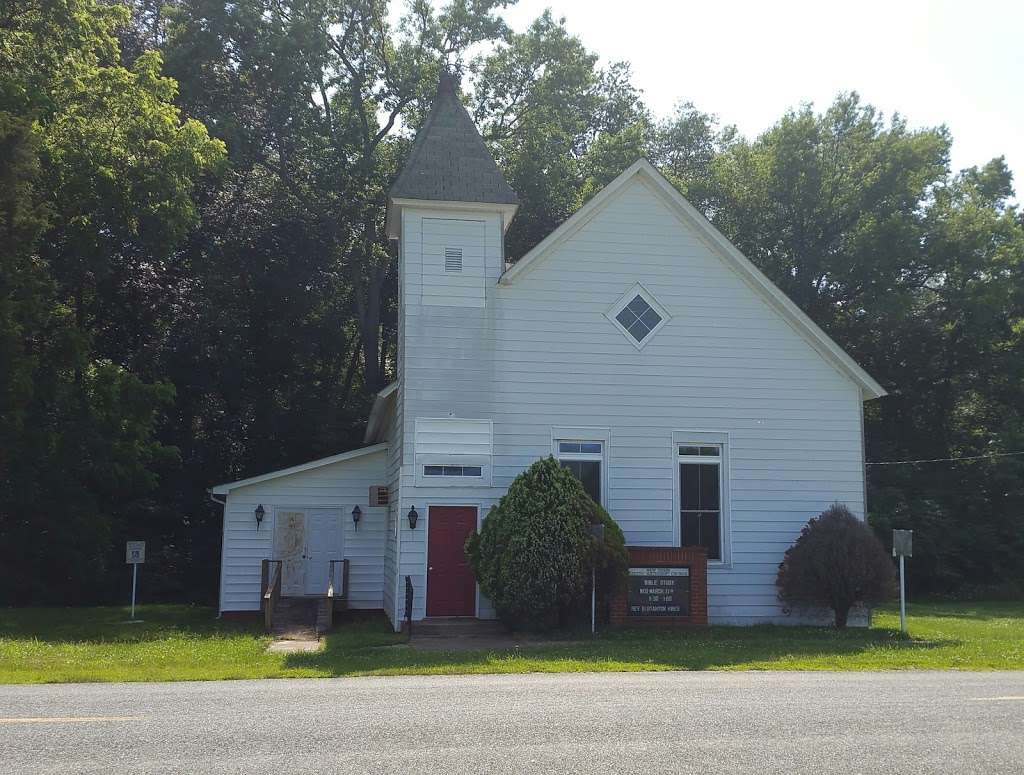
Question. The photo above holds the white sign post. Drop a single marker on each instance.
(135, 554)
(903, 546)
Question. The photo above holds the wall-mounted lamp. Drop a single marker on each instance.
(357, 514)
(260, 513)
(413, 518)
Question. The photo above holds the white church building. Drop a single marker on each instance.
(635, 344)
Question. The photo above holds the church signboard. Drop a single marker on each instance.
(659, 591)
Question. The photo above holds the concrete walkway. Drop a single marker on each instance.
(454, 635)
(287, 646)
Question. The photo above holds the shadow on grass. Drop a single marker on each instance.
(348, 653)
(978, 611)
(110, 624)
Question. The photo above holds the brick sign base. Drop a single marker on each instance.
(695, 558)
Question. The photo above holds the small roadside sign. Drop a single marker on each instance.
(902, 543)
(135, 552)
(903, 546)
(135, 555)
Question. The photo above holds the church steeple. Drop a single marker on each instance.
(449, 161)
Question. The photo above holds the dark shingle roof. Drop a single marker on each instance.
(449, 161)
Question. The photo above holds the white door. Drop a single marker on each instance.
(290, 548)
(323, 544)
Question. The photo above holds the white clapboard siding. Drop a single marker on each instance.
(453, 436)
(541, 353)
(453, 262)
(341, 486)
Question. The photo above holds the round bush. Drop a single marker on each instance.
(534, 553)
(836, 562)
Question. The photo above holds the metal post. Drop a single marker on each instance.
(597, 534)
(903, 601)
(593, 601)
(135, 574)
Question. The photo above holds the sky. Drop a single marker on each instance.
(955, 63)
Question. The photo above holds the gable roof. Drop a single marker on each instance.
(224, 489)
(449, 161)
(797, 319)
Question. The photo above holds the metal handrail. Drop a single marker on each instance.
(270, 584)
(332, 593)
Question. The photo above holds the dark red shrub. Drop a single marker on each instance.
(836, 562)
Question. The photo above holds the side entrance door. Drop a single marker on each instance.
(323, 544)
(290, 548)
(451, 587)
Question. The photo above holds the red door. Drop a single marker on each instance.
(451, 587)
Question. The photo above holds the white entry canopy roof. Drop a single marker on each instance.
(224, 489)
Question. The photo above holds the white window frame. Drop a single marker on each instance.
(626, 298)
(704, 439)
(592, 435)
(434, 480)
(463, 466)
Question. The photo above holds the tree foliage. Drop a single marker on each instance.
(534, 555)
(836, 562)
(99, 171)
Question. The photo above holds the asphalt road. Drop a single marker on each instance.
(611, 722)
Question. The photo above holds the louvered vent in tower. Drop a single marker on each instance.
(453, 259)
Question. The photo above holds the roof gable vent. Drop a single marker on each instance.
(453, 259)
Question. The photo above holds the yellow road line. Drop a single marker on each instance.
(64, 719)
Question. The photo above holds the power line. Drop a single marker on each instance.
(945, 459)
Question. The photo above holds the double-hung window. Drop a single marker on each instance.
(700, 497)
(584, 458)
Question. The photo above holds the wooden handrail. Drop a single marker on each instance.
(270, 585)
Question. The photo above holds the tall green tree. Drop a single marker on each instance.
(560, 127)
(99, 172)
(285, 300)
(959, 368)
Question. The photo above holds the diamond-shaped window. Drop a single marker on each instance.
(638, 315)
(638, 318)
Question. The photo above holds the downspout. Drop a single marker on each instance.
(223, 503)
(864, 473)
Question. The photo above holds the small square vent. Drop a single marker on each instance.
(453, 259)
(378, 495)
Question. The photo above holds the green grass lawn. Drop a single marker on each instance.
(40, 645)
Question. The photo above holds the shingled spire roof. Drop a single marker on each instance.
(449, 161)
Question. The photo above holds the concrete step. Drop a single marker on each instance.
(323, 615)
(295, 618)
(459, 627)
(294, 633)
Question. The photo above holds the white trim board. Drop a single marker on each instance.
(375, 424)
(689, 216)
(224, 489)
(393, 217)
